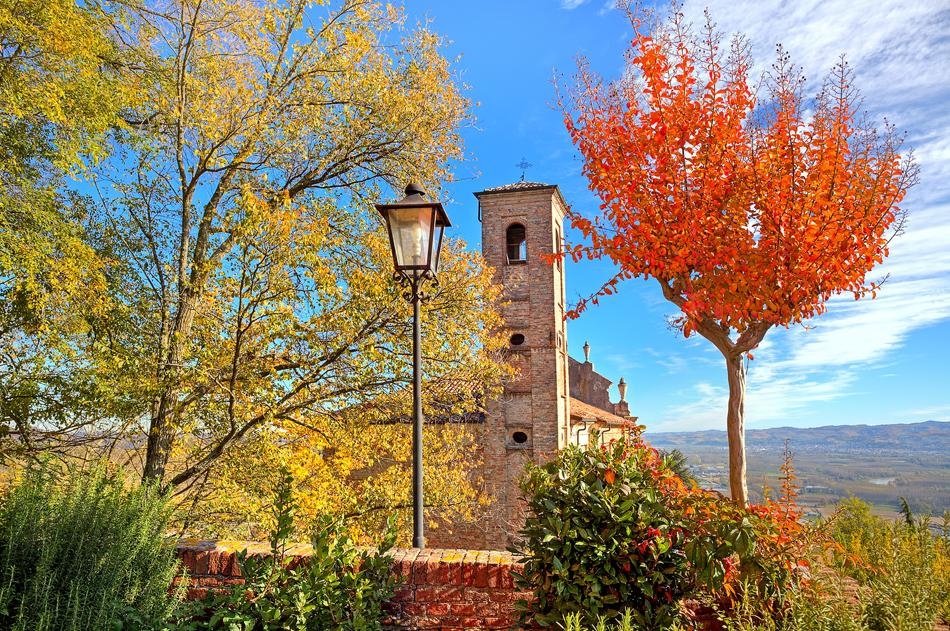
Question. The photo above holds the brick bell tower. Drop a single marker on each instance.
(521, 222)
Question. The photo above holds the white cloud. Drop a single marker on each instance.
(891, 43)
(769, 402)
(609, 5)
(571, 4)
(865, 331)
(621, 365)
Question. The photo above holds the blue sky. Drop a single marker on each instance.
(878, 361)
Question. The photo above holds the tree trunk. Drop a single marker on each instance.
(161, 434)
(164, 418)
(735, 424)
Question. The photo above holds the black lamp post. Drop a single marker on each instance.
(415, 227)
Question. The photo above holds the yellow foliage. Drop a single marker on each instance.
(250, 317)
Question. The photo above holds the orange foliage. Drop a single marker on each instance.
(783, 543)
(750, 212)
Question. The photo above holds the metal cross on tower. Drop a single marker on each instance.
(523, 165)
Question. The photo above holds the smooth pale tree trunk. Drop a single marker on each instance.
(735, 427)
(734, 352)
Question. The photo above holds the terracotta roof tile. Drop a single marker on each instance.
(516, 186)
(586, 410)
(442, 397)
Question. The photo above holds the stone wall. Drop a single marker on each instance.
(593, 388)
(588, 385)
(439, 590)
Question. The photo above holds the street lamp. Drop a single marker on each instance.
(415, 227)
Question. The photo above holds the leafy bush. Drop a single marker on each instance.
(80, 550)
(339, 587)
(818, 606)
(573, 622)
(903, 570)
(613, 528)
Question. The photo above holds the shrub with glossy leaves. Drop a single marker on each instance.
(613, 529)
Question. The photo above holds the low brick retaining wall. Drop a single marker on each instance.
(447, 590)
(454, 589)
(438, 589)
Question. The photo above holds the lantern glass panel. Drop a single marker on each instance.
(411, 230)
(439, 231)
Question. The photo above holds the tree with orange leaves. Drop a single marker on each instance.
(751, 207)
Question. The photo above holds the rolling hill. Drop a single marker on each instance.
(878, 463)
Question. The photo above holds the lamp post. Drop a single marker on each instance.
(415, 225)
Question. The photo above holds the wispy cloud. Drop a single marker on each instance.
(609, 5)
(572, 4)
(931, 413)
(621, 365)
(672, 362)
(776, 401)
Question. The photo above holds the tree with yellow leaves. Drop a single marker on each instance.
(59, 97)
(251, 316)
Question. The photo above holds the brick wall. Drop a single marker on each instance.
(454, 589)
(438, 589)
(529, 421)
(447, 590)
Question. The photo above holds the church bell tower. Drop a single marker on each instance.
(521, 223)
(552, 400)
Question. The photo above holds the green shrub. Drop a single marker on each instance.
(817, 606)
(340, 587)
(612, 528)
(573, 622)
(591, 507)
(80, 550)
(902, 568)
(624, 623)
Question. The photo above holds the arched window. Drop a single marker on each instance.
(515, 244)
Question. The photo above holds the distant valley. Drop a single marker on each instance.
(878, 463)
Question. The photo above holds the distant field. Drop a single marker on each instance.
(879, 463)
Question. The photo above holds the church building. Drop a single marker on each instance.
(554, 400)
